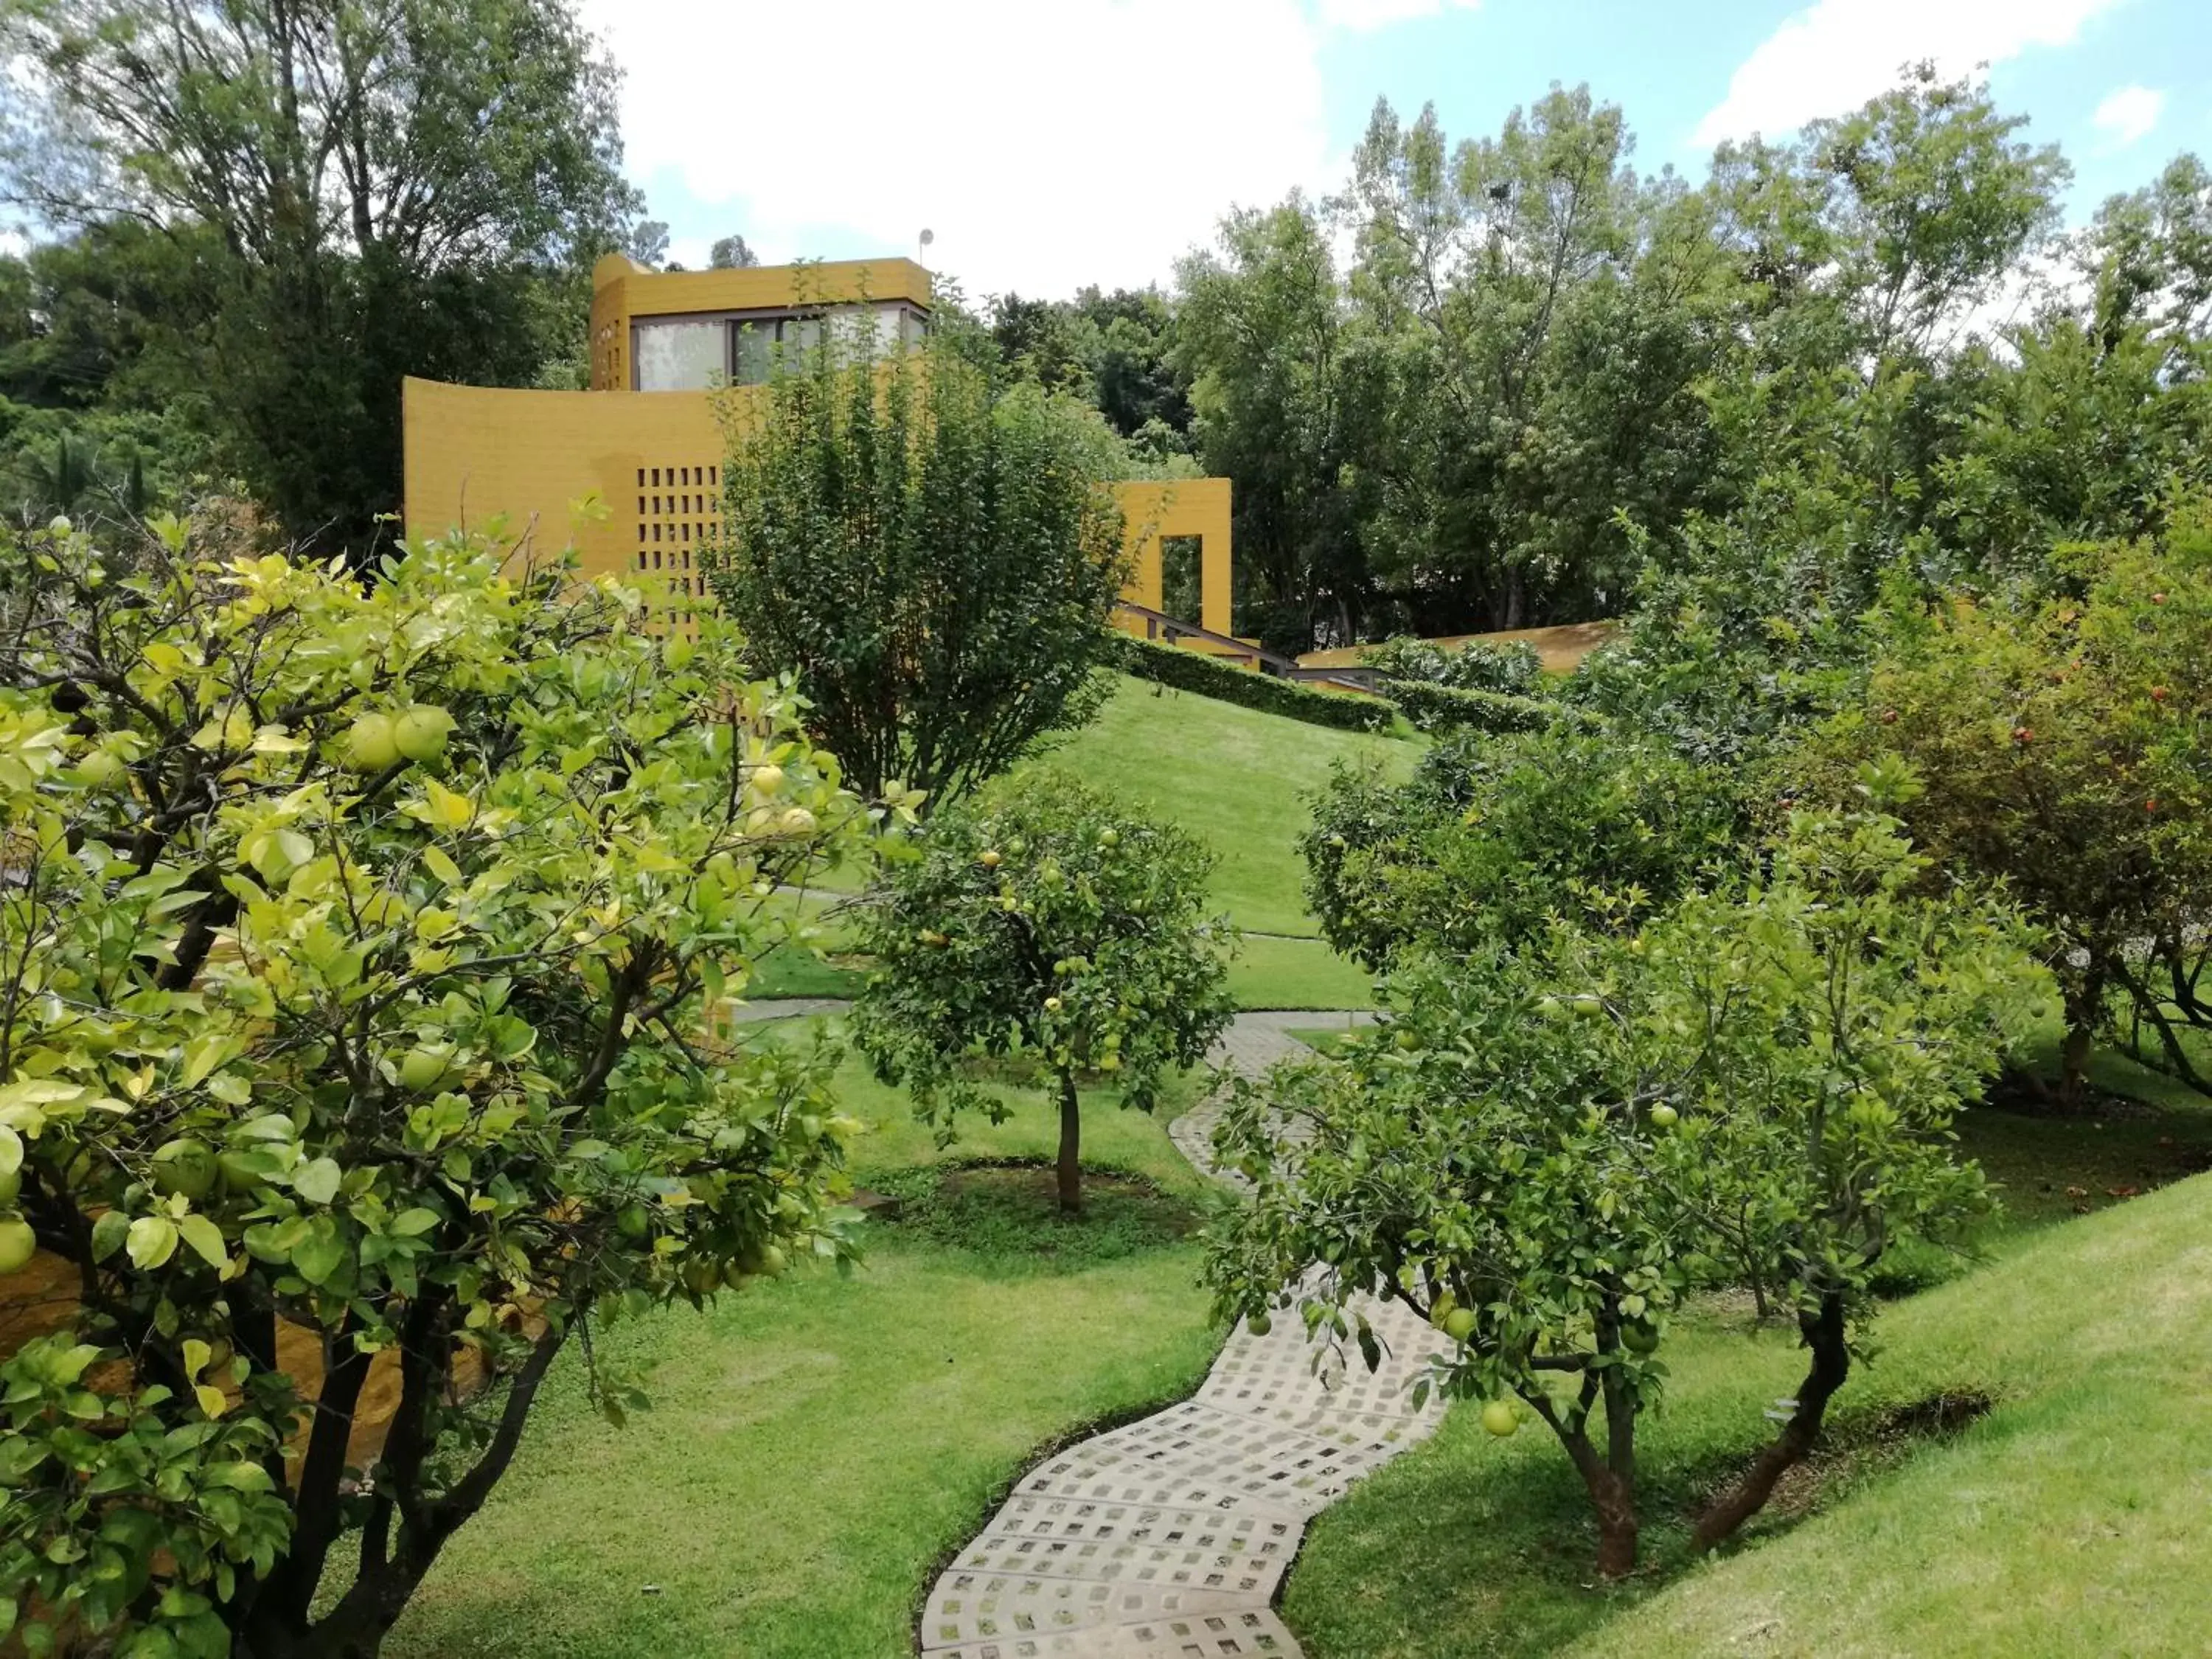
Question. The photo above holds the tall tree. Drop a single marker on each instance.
(374, 188)
(1281, 392)
(1541, 305)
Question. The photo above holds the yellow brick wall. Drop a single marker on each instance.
(646, 468)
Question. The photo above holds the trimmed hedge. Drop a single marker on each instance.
(1194, 670)
(1433, 707)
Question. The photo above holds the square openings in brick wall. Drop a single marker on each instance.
(679, 509)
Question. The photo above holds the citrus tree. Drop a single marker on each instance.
(1049, 925)
(1493, 834)
(357, 948)
(1547, 1149)
(2064, 742)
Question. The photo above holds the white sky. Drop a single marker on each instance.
(1836, 54)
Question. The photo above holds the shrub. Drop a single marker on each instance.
(1510, 666)
(1210, 676)
(1493, 834)
(360, 940)
(933, 554)
(1043, 922)
(1433, 708)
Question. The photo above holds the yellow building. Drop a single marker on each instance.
(644, 443)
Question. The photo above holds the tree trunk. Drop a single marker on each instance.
(1617, 1528)
(2083, 1005)
(1071, 1147)
(1823, 1332)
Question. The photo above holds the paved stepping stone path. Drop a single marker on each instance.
(1169, 1538)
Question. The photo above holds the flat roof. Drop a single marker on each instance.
(760, 288)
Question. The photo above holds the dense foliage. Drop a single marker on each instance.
(361, 950)
(1189, 670)
(1550, 1145)
(1511, 668)
(2062, 741)
(1494, 836)
(1044, 925)
(931, 551)
(284, 209)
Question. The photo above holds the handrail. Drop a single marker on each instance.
(1172, 630)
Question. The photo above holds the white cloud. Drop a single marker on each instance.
(1046, 145)
(2129, 114)
(1362, 15)
(1836, 54)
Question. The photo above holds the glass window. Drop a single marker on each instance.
(681, 357)
(755, 352)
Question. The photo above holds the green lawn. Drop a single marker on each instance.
(1296, 973)
(1235, 776)
(2069, 1521)
(818, 1446)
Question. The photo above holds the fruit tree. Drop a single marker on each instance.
(357, 943)
(1044, 923)
(1554, 1145)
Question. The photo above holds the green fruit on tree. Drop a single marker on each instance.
(422, 732)
(1638, 1337)
(1440, 1309)
(1664, 1116)
(17, 1244)
(767, 779)
(1259, 1324)
(1587, 1005)
(1407, 1040)
(1498, 1418)
(991, 858)
(633, 1222)
(700, 1276)
(372, 744)
(1052, 1004)
(185, 1166)
(1459, 1324)
(795, 821)
(422, 1069)
(1109, 836)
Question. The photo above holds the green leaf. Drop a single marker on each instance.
(152, 1240)
(240, 1477)
(442, 867)
(205, 1239)
(408, 1223)
(319, 1255)
(108, 1234)
(317, 1180)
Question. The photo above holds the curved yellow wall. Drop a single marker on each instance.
(647, 465)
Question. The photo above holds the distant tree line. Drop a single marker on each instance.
(1500, 382)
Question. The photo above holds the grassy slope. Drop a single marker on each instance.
(2070, 1522)
(1235, 776)
(2059, 1525)
(816, 1446)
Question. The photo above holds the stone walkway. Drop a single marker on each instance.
(1169, 1538)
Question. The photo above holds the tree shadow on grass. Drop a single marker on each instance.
(1004, 1215)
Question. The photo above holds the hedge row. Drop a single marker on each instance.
(1433, 708)
(1210, 676)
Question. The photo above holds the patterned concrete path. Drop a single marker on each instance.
(1169, 1538)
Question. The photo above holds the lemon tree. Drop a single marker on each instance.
(1548, 1147)
(361, 945)
(1050, 925)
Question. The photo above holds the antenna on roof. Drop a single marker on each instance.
(927, 237)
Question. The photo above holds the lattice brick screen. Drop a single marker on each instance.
(679, 509)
